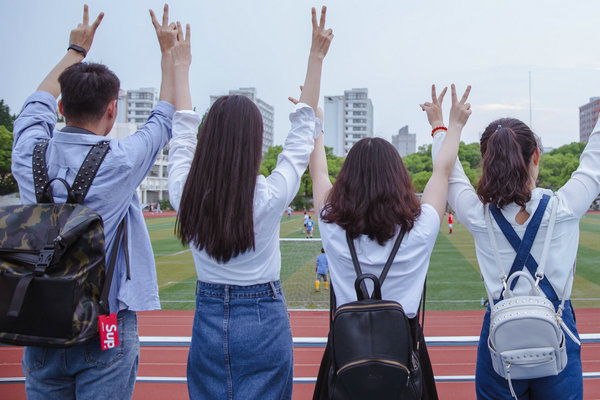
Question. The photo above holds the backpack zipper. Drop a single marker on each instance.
(393, 305)
(351, 364)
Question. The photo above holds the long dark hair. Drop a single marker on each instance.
(373, 193)
(507, 145)
(216, 210)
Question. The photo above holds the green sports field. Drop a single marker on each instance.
(453, 281)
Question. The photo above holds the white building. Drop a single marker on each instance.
(348, 119)
(154, 187)
(588, 116)
(405, 142)
(140, 103)
(266, 110)
(333, 109)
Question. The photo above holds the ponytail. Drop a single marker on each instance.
(506, 147)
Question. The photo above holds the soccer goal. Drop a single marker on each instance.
(298, 276)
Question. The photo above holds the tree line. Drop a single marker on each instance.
(556, 167)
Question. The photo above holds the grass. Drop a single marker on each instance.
(453, 281)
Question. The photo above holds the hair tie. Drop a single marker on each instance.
(499, 127)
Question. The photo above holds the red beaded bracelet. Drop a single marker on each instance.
(439, 128)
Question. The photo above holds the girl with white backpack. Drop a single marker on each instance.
(526, 241)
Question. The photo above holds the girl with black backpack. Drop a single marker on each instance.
(373, 202)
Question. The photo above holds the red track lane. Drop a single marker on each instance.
(448, 360)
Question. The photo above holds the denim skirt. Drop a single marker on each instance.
(567, 385)
(241, 343)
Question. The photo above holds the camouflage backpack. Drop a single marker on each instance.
(53, 285)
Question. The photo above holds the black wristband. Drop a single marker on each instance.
(78, 49)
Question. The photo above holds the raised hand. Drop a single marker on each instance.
(181, 51)
(434, 109)
(460, 111)
(181, 55)
(83, 35)
(321, 37)
(166, 33)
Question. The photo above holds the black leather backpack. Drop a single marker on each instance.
(371, 345)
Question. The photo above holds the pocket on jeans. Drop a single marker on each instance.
(33, 358)
(270, 310)
(104, 358)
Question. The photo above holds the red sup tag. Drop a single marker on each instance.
(109, 334)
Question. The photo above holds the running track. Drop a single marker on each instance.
(170, 361)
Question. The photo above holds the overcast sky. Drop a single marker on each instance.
(396, 49)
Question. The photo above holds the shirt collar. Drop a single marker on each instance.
(73, 134)
(76, 129)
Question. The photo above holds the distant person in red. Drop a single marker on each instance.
(450, 220)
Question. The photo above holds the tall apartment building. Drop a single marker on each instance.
(140, 103)
(122, 107)
(405, 142)
(348, 119)
(266, 110)
(333, 108)
(588, 116)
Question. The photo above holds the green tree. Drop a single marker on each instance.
(420, 179)
(557, 166)
(7, 182)
(304, 196)
(470, 153)
(420, 165)
(6, 119)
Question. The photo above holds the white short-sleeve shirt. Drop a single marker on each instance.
(405, 279)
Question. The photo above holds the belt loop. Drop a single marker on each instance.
(226, 292)
(274, 290)
(197, 287)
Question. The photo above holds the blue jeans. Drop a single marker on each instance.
(85, 371)
(568, 385)
(241, 343)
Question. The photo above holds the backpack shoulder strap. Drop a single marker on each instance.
(387, 266)
(363, 287)
(83, 180)
(110, 268)
(89, 169)
(392, 256)
(40, 171)
(523, 257)
(524, 247)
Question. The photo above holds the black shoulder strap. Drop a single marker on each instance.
(390, 260)
(83, 180)
(421, 314)
(388, 263)
(40, 171)
(110, 270)
(89, 169)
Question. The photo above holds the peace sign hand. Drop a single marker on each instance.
(83, 35)
(321, 37)
(434, 109)
(181, 51)
(460, 111)
(166, 33)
